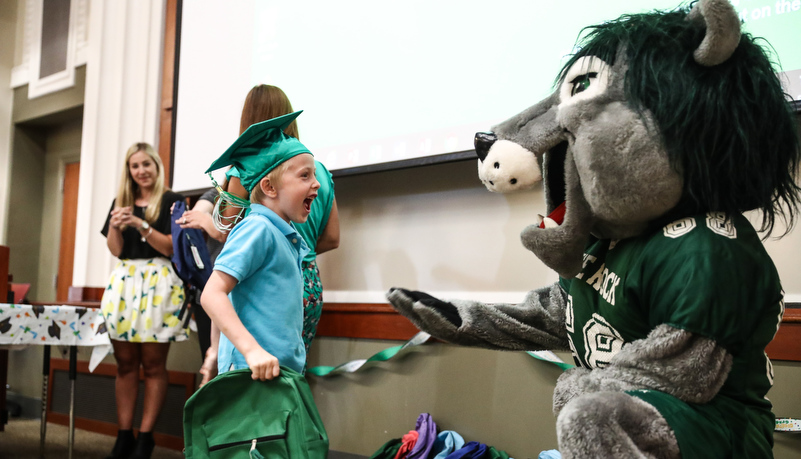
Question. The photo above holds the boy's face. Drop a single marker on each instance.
(297, 190)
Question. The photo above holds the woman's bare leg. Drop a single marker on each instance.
(126, 384)
(154, 363)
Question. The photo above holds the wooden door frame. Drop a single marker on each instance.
(69, 212)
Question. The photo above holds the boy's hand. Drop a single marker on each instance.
(263, 364)
(209, 367)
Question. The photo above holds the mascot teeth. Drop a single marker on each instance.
(546, 222)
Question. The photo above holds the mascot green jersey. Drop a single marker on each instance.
(664, 128)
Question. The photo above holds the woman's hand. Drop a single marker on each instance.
(209, 367)
(194, 219)
(263, 364)
(121, 216)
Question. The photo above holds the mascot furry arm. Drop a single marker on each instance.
(664, 128)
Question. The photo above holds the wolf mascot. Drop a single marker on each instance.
(664, 129)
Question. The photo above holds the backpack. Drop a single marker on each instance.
(190, 256)
(234, 416)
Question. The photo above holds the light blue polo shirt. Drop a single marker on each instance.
(264, 254)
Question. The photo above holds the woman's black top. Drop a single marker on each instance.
(132, 245)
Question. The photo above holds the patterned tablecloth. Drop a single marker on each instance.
(24, 324)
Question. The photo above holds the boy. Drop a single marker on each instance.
(262, 318)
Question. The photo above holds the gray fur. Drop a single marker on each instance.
(689, 367)
(614, 184)
(614, 425)
(535, 128)
(722, 31)
(535, 324)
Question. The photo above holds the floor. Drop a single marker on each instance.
(20, 440)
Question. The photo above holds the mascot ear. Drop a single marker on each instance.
(722, 31)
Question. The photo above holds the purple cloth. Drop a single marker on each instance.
(471, 450)
(428, 435)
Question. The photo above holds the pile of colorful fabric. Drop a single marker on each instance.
(425, 443)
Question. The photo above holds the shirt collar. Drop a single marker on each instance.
(279, 222)
(287, 229)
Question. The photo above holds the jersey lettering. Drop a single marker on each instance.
(587, 260)
(601, 342)
(573, 349)
(597, 277)
(569, 314)
(679, 227)
(604, 282)
(719, 224)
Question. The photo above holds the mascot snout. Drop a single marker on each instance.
(505, 166)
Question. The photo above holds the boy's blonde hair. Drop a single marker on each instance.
(257, 196)
(126, 194)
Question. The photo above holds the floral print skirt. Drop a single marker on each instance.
(312, 301)
(144, 302)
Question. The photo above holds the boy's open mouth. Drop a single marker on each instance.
(308, 202)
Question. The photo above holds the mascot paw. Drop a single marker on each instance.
(423, 309)
(567, 387)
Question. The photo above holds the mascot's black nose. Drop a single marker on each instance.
(483, 142)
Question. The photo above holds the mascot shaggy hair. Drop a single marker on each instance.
(664, 128)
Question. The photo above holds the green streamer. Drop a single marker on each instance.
(782, 424)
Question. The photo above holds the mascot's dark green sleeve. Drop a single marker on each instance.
(664, 128)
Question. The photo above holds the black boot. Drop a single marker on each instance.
(144, 446)
(124, 445)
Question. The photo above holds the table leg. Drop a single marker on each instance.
(73, 375)
(45, 383)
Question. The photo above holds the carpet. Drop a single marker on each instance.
(20, 440)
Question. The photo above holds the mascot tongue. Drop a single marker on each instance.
(558, 215)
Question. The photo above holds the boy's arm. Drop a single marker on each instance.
(216, 303)
(209, 367)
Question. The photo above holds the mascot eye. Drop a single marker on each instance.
(582, 82)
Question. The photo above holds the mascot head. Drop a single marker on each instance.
(657, 116)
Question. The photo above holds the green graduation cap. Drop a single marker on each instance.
(259, 149)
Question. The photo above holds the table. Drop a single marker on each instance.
(62, 325)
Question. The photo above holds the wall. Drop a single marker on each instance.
(432, 228)
(25, 203)
(8, 34)
(62, 145)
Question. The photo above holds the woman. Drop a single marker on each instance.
(321, 230)
(143, 303)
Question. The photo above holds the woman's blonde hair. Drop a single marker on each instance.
(126, 195)
(265, 102)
